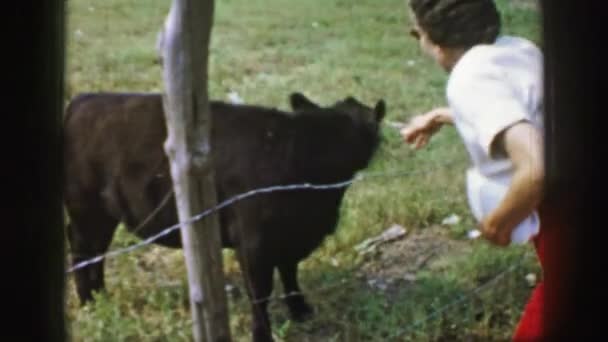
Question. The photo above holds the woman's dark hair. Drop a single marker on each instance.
(458, 23)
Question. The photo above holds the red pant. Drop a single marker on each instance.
(531, 326)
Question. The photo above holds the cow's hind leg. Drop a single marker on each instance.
(90, 233)
(257, 275)
(299, 309)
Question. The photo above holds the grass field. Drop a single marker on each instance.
(327, 49)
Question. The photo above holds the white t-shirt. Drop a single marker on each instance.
(489, 89)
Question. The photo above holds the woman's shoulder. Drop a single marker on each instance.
(503, 49)
(492, 61)
(517, 45)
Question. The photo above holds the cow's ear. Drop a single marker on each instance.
(380, 110)
(300, 102)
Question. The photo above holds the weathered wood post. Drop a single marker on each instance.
(184, 49)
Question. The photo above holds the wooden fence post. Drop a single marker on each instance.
(184, 48)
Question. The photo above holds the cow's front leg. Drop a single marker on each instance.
(257, 275)
(299, 309)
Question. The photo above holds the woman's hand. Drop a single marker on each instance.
(422, 127)
(496, 232)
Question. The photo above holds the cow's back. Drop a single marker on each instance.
(114, 150)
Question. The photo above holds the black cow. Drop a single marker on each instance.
(116, 171)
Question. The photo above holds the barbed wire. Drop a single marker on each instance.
(234, 199)
(307, 186)
(461, 299)
(452, 304)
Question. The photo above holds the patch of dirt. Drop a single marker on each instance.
(395, 263)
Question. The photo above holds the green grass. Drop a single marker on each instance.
(327, 49)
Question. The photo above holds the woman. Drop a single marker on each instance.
(495, 97)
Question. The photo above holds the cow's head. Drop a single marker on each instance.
(350, 106)
(353, 125)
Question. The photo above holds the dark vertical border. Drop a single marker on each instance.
(33, 77)
(575, 65)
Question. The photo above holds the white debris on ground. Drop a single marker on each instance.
(531, 279)
(451, 220)
(369, 245)
(473, 234)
